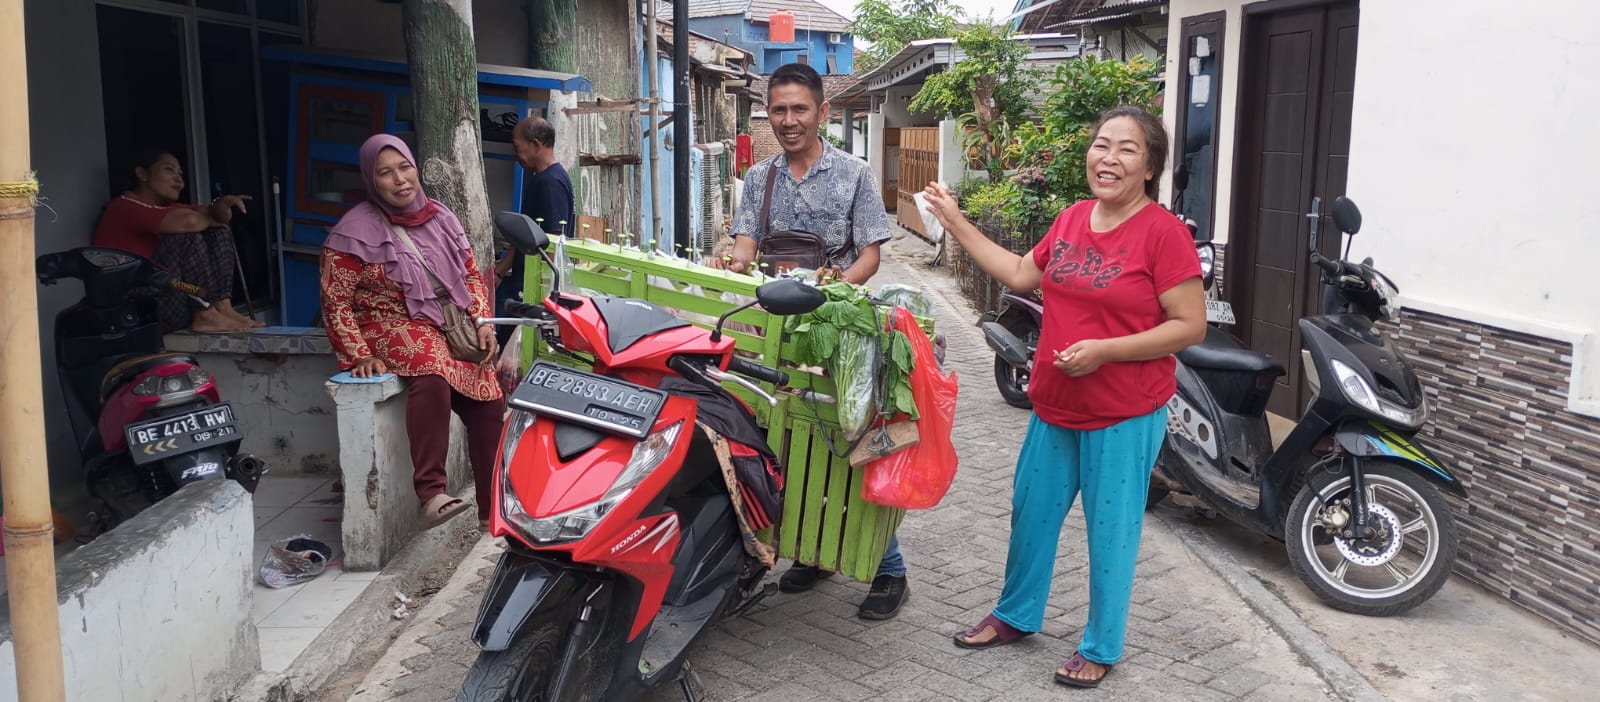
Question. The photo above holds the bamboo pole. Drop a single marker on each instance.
(652, 55)
(30, 549)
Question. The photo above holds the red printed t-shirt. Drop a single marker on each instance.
(133, 224)
(1103, 285)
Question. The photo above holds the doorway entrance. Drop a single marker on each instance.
(1296, 95)
(186, 76)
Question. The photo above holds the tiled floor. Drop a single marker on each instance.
(288, 619)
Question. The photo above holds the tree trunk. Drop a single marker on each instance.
(553, 31)
(444, 79)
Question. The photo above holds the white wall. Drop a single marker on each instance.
(68, 146)
(159, 608)
(894, 109)
(1227, 95)
(1473, 159)
(500, 28)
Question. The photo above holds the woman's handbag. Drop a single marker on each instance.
(460, 329)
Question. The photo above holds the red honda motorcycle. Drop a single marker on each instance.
(623, 547)
(147, 422)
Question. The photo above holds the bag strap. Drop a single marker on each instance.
(766, 197)
(439, 288)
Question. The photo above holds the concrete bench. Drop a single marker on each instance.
(270, 377)
(381, 512)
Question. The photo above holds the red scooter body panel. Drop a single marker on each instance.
(640, 546)
(123, 407)
(584, 330)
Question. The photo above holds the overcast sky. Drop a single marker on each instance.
(974, 8)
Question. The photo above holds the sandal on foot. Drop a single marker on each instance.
(1003, 634)
(440, 508)
(1075, 664)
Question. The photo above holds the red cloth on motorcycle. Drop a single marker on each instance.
(133, 224)
(918, 477)
(1102, 285)
(755, 464)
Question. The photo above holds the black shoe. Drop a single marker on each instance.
(888, 593)
(799, 578)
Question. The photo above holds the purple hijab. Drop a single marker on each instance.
(364, 232)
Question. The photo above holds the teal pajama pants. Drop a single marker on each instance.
(1110, 467)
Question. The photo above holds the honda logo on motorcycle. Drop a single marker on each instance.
(665, 530)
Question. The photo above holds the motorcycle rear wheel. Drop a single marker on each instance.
(1012, 382)
(521, 673)
(1402, 567)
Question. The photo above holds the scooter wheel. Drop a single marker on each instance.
(521, 673)
(1012, 382)
(1400, 565)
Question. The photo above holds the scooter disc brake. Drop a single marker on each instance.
(1362, 552)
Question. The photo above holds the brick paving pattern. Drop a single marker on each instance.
(1189, 637)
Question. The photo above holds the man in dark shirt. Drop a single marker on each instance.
(547, 197)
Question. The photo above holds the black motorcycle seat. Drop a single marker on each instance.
(130, 367)
(1230, 359)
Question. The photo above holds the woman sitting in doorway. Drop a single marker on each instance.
(192, 242)
(388, 267)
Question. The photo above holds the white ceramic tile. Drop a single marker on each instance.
(316, 604)
(264, 515)
(265, 600)
(357, 576)
(285, 491)
(280, 646)
(323, 496)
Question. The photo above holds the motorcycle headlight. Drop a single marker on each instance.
(577, 523)
(1361, 393)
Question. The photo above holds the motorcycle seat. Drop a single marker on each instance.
(129, 368)
(1230, 359)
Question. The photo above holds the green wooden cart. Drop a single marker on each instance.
(825, 522)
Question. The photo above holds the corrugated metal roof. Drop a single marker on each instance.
(808, 14)
(1060, 12)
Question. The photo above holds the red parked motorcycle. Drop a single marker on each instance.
(148, 422)
(623, 546)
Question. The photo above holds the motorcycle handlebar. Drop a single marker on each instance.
(525, 310)
(746, 367)
(1331, 267)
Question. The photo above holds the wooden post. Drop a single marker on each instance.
(443, 60)
(29, 531)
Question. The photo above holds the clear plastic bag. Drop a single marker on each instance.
(563, 265)
(855, 371)
(911, 298)
(294, 560)
(508, 368)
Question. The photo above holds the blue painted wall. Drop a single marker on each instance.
(736, 30)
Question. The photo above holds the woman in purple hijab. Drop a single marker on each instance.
(382, 310)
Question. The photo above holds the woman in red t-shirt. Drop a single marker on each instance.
(1122, 293)
(194, 243)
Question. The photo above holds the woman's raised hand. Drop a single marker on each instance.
(942, 203)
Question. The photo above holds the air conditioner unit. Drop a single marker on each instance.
(835, 38)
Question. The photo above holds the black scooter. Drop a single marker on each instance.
(1352, 493)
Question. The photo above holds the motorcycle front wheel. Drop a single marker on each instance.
(1012, 382)
(1404, 562)
(521, 673)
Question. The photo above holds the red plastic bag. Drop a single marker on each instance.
(919, 476)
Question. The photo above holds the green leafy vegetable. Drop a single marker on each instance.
(852, 340)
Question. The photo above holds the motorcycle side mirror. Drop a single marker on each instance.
(787, 296)
(522, 232)
(784, 297)
(1180, 179)
(1346, 216)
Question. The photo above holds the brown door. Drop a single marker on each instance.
(1294, 145)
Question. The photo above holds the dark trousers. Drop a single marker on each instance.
(429, 401)
(205, 259)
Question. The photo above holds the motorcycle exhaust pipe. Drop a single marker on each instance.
(1006, 345)
(247, 469)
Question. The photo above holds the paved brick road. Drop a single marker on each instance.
(1189, 638)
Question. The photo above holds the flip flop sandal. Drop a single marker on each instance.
(1003, 634)
(440, 508)
(1075, 664)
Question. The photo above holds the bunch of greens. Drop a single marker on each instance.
(849, 337)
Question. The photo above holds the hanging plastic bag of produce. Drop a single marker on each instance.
(919, 476)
